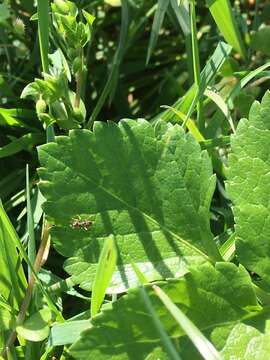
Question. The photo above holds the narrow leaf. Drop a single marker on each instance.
(222, 13)
(157, 23)
(105, 268)
(206, 349)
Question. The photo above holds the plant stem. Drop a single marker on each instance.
(41, 258)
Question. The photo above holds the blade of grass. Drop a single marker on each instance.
(195, 62)
(227, 250)
(222, 13)
(182, 16)
(217, 99)
(111, 83)
(202, 344)
(168, 345)
(243, 82)
(12, 282)
(23, 143)
(10, 231)
(43, 32)
(31, 244)
(208, 74)
(105, 269)
(162, 6)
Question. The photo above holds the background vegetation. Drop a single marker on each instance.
(202, 64)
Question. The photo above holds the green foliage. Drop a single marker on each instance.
(153, 195)
(163, 221)
(209, 297)
(248, 186)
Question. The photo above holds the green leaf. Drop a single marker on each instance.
(150, 187)
(4, 11)
(105, 268)
(248, 340)
(25, 142)
(248, 187)
(157, 23)
(67, 332)
(209, 296)
(36, 327)
(261, 40)
(222, 13)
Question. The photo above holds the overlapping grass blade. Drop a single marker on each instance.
(213, 65)
(43, 32)
(111, 83)
(167, 343)
(203, 345)
(222, 13)
(31, 244)
(23, 143)
(157, 23)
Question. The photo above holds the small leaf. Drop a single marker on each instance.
(36, 327)
(88, 17)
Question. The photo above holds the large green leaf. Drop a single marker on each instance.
(149, 187)
(209, 296)
(249, 187)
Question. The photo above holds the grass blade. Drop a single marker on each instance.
(111, 83)
(12, 282)
(105, 269)
(168, 345)
(208, 74)
(182, 16)
(195, 62)
(203, 345)
(23, 143)
(43, 32)
(157, 23)
(222, 13)
(31, 244)
(217, 99)
(13, 236)
(244, 81)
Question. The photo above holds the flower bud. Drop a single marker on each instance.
(41, 106)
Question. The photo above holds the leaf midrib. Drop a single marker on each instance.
(106, 191)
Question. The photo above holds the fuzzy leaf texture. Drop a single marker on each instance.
(249, 188)
(150, 187)
(210, 296)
